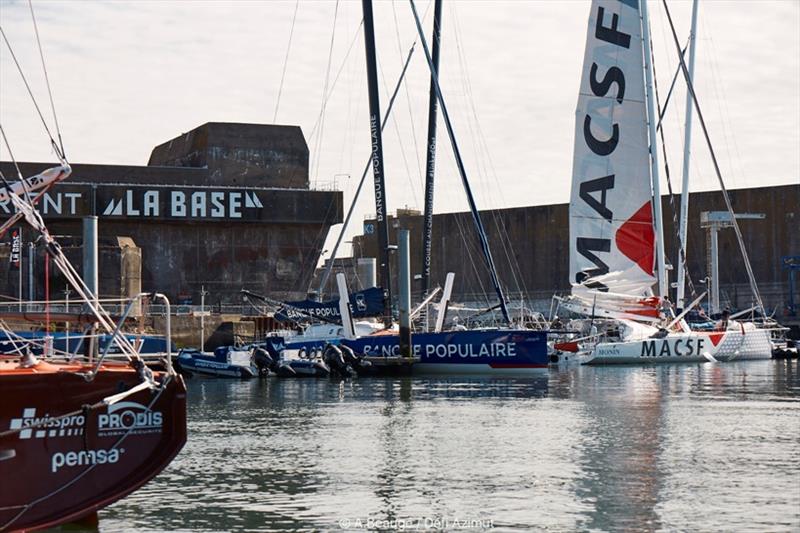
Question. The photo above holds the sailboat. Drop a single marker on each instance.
(474, 351)
(78, 434)
(616, 225)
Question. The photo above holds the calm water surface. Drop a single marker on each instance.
(693, 447)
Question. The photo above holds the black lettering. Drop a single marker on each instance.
(613, 75)
(648, 349)
(664, 349)
(598, 184)
(610, 34)
(585, 247)
(597, 146)
(700, 345)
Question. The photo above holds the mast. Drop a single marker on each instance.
(387, 113)
(652, 117)
(750, 275)
(427, 226)
(687, 141)
(377, 160)
(476, 217)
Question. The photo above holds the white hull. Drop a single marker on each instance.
(695, 347)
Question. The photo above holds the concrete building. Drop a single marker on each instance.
(224, 206)
(530, 247)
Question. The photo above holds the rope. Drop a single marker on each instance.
(318, 146)
(285, 62)
(30, 92)
(47, 80)
(673, 208)
(336, 78)
(16, 166)
(410, 114)
(499, 223)
(738, 231)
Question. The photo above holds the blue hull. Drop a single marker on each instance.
(475, 351)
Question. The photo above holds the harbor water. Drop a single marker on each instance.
(709, 447)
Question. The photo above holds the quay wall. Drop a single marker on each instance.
(530, 246)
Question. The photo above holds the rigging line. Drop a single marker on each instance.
(386, 116)
(729, 133)
(735, 224)
(673, 207)
(285, 62)
(671, 87)
(410, 108)
(30, 92)
(318, 244)
(402, 149)
(338, 73)
(318, 146)
(462, 172)
(46, 78)
(16, 166)
(471, 256)
(516, 270)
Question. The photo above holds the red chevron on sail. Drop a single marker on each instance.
(636, 238)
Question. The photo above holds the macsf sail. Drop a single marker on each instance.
(612, 236)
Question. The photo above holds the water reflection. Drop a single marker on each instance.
(673, 447)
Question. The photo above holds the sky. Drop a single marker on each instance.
(127, 76)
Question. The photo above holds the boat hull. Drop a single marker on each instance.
(213, 368)
(465, 352)
(65, 467)
(694, 347)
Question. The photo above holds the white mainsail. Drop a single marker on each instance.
(612, 239)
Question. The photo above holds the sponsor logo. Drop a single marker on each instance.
(446, 351)
(682, 347)
(84, 458)
(32, 426)
(122, 417)
(129, 417)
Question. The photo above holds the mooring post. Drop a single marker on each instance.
(404, 288)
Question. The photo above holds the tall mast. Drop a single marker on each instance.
(652, 117)
(687, 141)
(476, 216)
(377, 160)
(427, 226)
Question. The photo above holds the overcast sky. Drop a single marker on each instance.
(127, 76)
